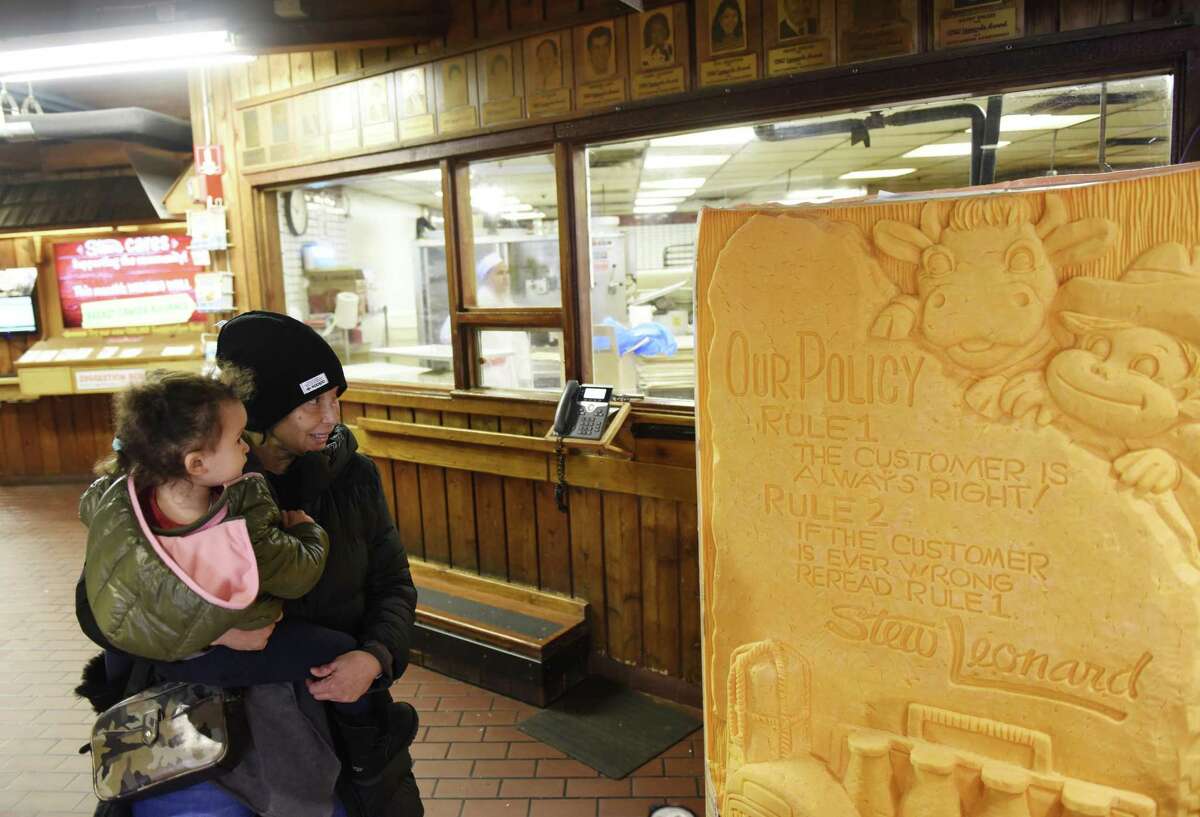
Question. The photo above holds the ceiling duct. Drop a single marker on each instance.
(136, 125)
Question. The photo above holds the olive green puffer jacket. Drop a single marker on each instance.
(147, 609)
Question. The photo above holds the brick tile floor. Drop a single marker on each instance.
(471, 761)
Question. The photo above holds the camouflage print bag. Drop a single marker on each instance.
(168, 736)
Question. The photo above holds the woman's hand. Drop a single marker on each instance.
(246, 640)
(293, 518)
(346, 678)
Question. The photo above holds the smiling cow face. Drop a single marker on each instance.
(986, 279)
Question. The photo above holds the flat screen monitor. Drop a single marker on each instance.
(18, 309)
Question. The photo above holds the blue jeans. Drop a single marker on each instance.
(205, 799)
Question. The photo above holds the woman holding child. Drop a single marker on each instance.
(344, 631)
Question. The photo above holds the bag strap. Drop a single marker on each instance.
(139, 677)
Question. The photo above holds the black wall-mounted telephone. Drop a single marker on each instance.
(582, 411)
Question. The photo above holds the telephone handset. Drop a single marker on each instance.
(582, 411)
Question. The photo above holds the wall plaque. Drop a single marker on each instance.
(799, 35)
(457, 94)
(501, 84)
(414, 106)
(729, 34)
(874, 29)
(377, 110)
(600, 63)
(658, 51)
(965, 22)
(549, 73)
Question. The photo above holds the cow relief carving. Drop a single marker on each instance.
(986, 279)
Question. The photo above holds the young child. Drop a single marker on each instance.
(183, 547)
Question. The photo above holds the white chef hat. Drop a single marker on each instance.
(486, 265)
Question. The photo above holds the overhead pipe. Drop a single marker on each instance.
(138, 125)
(983, 162)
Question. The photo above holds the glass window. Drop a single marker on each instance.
(514, 231)
(364, 262)
(521, 359)
(645, 195)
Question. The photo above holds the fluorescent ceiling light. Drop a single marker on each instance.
(670, 161)
(881, 173)
(648, 209)
(682, 192)
(120, 56)
(116, 69)
(430, 174)
(674, 184)
(821, 194)
(659, 197)
(1042, 121)
(488, 198)
(722, 136)
(947, 149)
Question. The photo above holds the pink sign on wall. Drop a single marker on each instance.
(141, 280)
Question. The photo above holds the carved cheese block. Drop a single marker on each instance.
(950, 492)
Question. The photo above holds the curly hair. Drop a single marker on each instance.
(158, 422)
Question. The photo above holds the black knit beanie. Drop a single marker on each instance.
(290, 362)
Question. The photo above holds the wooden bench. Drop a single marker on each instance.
(510, 639)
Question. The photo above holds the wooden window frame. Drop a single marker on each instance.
(1169, 47)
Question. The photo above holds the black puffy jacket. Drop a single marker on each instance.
(366, 589)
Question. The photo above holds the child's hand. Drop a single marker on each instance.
(293, 518)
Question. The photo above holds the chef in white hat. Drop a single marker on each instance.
(493, 286)
(506, 363)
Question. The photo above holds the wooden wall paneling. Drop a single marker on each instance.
(660, 585)
(680, 453)
(462, 23)
(302, 68)
(10, 440)
(246, 236)
(73, 454)
(279, 69)
(520, 523)
(102, 424)
(85, 436)
(8, 354)
(8, 253)
(324, 65)
(351, 412)
(689, 594)
(491, 18)
(31, 448)
(1073, 14)
(47, 434)
(460, 507)
(239, 78)
(407, 479)
(489, 513)
(1149, 9)
(385, 471)
(348, 60)
(623, 577)
(523, 13)
(374, 56)
(587, 561)
(561, 9)
(401, 52)
(1116, 11)
(260, 77)
(433, 501)
(553, 541)
(1041, 16)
